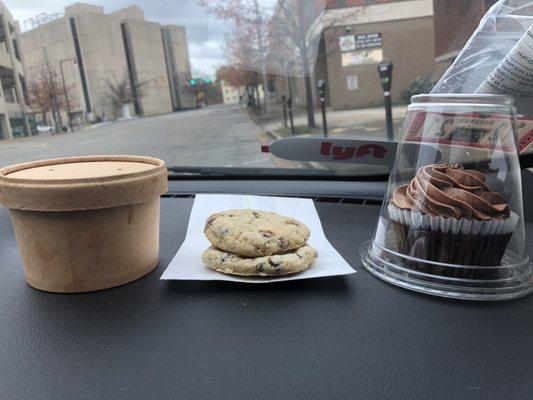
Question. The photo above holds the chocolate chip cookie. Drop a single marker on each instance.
(255, 233)
(275, 265)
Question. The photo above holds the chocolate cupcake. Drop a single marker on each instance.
(449, 215)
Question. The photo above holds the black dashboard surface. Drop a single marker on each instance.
(351, 337)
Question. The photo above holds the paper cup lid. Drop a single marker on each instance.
(82, 183)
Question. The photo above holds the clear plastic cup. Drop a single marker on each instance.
(452, 220)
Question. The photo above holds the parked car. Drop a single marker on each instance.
(44, 128)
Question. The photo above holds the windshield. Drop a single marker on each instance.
(207, 84)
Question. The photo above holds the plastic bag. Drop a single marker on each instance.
(478, 68)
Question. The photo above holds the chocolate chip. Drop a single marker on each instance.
(256, 215)
(276, 269)
(282, 243)
(212, 218)
(208, 223)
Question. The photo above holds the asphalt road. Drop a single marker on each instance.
(219, 136)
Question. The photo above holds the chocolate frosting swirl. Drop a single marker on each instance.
(451, 191)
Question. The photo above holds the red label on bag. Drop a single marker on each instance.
(469, 130)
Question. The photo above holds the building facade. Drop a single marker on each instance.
(455, 21)
(13, 96)
(96, 52)
(356, 36)
(230, 94)
(397, 31)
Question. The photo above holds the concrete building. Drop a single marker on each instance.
(95, 51)
(230, 94)
(356, 36)
(13, 95)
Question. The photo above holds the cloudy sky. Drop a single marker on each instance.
(205, 33)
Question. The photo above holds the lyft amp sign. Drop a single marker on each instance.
(371, 152)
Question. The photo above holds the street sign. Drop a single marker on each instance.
(352, 82)
(368, 41)
(357, 57)
(364, 41)
(347, 43)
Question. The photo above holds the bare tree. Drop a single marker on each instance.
(47, 93)
(297, 38)
(39, 99)
(292, 33)
(120, 92)
(205, 91)
(238, 77)
(246, 44)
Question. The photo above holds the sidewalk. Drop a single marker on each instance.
(367, 122)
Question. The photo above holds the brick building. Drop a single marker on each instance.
(356, 36)
(455, 21)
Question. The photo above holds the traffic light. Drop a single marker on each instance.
(192, 82)
(208, 81)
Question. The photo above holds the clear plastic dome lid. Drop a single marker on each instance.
(452, 220)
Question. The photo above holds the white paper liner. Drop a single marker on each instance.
(418, 220)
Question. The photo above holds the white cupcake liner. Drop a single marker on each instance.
(418, 220)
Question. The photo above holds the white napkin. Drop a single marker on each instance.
(187, 263)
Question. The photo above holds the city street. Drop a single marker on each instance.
(222, 136)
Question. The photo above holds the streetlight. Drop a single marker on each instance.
(69, 115)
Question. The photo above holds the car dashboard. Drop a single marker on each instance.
(338, 337)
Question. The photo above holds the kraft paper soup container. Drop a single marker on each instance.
(85, 223)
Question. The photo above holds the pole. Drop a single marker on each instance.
(385, 75)
(284, 104)
(289, 105)
(324, 122)
(291, 119)
(322, 91)
(388, 115)
(69, 115)
(53, 101)
(263, 58)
